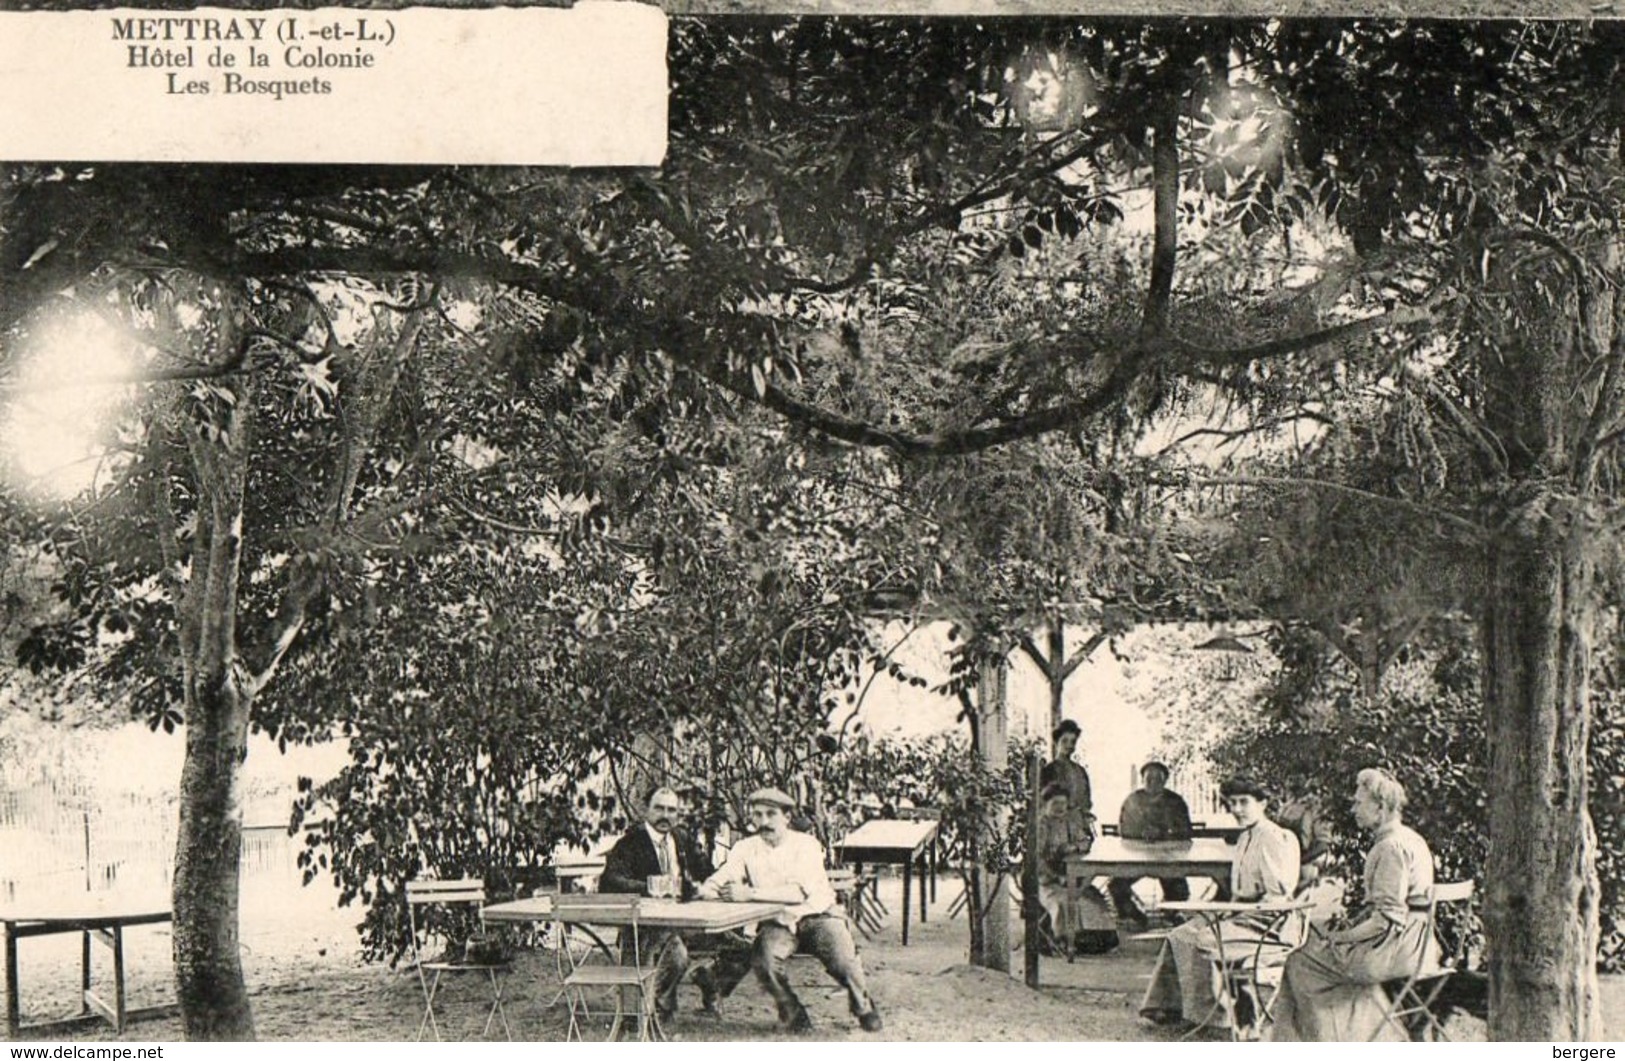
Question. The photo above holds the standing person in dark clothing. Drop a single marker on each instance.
(1153, 813)
(1064, 771)
(656, 848)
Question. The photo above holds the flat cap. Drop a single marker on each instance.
(772, 797)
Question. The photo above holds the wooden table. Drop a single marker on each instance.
(1112, 856)
(710, 915)
(101, 918)
(707, 915)
(895, 843)
(1232, 956)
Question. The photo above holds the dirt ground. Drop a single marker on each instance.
(308, 985)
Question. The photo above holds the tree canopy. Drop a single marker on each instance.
(905, 307)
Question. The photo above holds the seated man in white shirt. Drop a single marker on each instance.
(778, 864)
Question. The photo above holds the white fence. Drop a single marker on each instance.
(54, 841)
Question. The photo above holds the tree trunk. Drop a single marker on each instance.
(994, 732)
(219, 693)
(208, 853)
(973, 888)
(1541, 878)
(1550, 390)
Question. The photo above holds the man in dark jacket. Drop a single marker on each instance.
(657, 848)
(1154, 813)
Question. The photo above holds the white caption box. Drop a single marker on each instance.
(584, 86)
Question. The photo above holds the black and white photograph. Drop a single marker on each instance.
(1034, 527)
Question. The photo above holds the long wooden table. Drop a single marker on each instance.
(703, 915)
(101, 918)
(896, 843)
(706, 915)
(1112, 856)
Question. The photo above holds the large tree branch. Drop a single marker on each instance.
(1286, 345)
(1186, 358)
(1476, 531)
(946, 214)
(694, 346)
(1165, 214)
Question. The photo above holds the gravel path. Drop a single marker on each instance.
(307, 985)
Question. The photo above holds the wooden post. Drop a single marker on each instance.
(995, 732)
(1029, 875)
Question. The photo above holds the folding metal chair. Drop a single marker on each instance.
(468, 892)
(632, 985)
(1411, 999)
(860, 894)
(1256, 977)
(845, 883)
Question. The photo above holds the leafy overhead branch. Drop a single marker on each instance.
(1474, 530)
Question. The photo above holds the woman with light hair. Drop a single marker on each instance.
(1331, 990)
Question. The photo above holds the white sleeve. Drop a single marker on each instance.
(813, 878)
(1281, 862)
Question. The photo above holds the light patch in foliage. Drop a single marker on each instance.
(70, 384)
(1050, 90)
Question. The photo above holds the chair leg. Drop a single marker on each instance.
(1395, 1013)
(648, 1019)
(430, 989)
(497, 1009)
(1435, 1026)
(616, 1027)
(576, 1001)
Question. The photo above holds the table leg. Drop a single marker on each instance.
(13, 1003)
(908, 884)
(936, 867)
(84, 970)
(925, 876)
(118, 978)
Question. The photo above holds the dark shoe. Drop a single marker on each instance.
(870, 1021)
(711, 1009)
(709, 995)
(1246, 1010)
(799, 1023)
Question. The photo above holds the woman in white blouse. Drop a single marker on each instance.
(1265, 867)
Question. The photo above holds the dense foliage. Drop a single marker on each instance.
(1424, 724)
(1607, 763)
(866, 230)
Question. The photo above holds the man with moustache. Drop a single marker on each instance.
(779, 864)
(656, 848)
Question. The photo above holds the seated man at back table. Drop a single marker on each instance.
(657, 848)
(1154, 812)
(778, 864)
